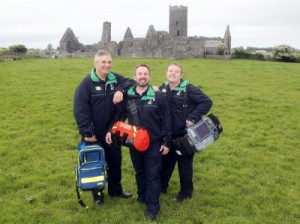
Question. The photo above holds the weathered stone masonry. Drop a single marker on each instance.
(156, 44)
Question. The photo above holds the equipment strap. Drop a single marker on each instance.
(80, 201)
(185, 102)
(134, 111)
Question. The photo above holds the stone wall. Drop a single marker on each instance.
(156, 44)
(69, 43)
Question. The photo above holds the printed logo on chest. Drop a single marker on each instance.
(151, 101)
(112, 87)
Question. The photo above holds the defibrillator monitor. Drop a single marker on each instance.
(203, 133)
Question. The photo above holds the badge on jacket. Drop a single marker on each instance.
(112, 87)
(98, 88)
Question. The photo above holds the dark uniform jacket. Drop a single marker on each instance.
(198, 105)
(94, 109)
(153, 114)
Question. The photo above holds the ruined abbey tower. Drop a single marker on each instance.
(178, 23)
(156, 44)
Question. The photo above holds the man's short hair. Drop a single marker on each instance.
(142, 65)
(176, 64)
(100, 53)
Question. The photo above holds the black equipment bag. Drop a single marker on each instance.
(182, 147)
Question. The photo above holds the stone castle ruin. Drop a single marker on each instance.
(156, 44)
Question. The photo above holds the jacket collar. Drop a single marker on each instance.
(111, 78)
(181, 86)
(150, 94)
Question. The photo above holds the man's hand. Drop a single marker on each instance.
(155, 88)
(164, 150)
(118, 97)
(108, 138)
(189, 123)
(90, 139)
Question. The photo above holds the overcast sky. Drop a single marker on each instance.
(256, 23)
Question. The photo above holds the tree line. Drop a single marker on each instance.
(282, 52)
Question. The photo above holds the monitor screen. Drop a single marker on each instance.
(202, 130)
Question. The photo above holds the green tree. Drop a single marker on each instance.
(221, 49)
(18, 48)
(49, 47)
(284, 53)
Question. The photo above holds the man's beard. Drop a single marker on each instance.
(144, 84)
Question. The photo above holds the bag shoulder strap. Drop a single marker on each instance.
(80, 201)
(186, 101)
(133, 111)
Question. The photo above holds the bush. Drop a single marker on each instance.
(221, 49)
(258, 56)
(18, 48)
(245, 54)
(240, 53)
(284, 53)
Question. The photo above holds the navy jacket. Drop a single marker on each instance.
(153, 113)
(94, 109)
(198, 105)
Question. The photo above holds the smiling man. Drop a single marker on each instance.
(184, 114)
(94, 111)
(148, 109)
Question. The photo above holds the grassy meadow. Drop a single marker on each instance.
(250, 175)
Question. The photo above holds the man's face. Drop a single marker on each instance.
(174, 74)
(103, 64)
(142, 76)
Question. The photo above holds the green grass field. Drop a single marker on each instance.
(250, 175)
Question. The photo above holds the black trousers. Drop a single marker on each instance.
(185, 170)
(113, 156)
(147, 173)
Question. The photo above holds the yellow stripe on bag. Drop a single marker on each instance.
(91, 179)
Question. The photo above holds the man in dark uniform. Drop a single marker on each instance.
(94, 110)
(198, 105)
(154, 115)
